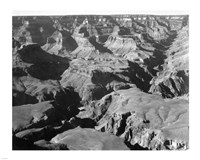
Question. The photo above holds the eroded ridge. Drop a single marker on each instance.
(95, 82)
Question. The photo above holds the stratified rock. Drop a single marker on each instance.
(54, 43)
(120, 46)
(174, 79)
(60, 41)
(84, 48)
(108, 73)
(93, 79)
(37, 90)
(89, 139)
(148, 120)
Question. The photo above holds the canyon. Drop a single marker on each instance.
(100, 82)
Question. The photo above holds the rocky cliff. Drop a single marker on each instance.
(100, 82)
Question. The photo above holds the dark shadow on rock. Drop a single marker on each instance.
(45, 71)
(66, 126)
(156, 60)
(124, 31)
(104, 78)
(21, 144)
(84, 30)
(34, 54)
(67, 97)
(180, 85)
(35, 25)
(50, 131)
(177, 92)
(159, 56)
(21, 98)
(123, 124)
(135, 147)
(67, 103)
(185, 78)
(138, 76)
(87, 123)
(45, 66)
(15, 43)
(103, 38)
(99, 46)
(101, 79)
(82, 122)
(69, 43)
(18, 72)
(166, 92)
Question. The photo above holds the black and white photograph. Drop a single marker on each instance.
(100, 82)
(88, 79)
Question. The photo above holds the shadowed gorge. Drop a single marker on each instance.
(100, 82)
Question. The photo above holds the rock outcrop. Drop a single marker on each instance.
(173, 81)
(89, 139)
(96, 77)
(28, 116)
(92, 82)
(148, 120)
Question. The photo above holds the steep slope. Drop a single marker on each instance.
(174, 79)
(148, 120)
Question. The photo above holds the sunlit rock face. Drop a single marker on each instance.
(91, 82)
(89, 139)
(174, 79)
(148, 120)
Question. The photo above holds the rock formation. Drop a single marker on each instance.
(89, 139)
(148, 120)
(115, 82)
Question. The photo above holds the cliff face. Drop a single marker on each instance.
(175, 75)
(148, 120)
(126, 75)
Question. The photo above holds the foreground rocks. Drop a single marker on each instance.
(89, 139)
(148, 120)
(27, 116)
(100, 82)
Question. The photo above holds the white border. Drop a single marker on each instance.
(99, 7)
(97, 12)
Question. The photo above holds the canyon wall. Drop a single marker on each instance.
(96, 82)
